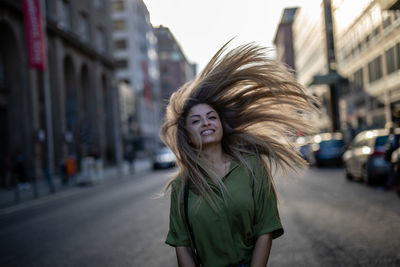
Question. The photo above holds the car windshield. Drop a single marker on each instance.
(381, 140)
(331, 143)
(164, 151)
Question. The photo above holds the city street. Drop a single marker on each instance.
(328, 221)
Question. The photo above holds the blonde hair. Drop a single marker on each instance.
(260, 104)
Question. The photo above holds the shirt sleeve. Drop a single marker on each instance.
(267, 220)
(178, 234)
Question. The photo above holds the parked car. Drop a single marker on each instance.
(364, 160)
(326, 148)
(303, 144)
(164, 158)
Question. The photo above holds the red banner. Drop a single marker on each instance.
(146, 84)
(34, 33)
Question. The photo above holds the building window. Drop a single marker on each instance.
(398, 55)
(118, 5)
(375, 69)
(377, 31)
(101, 40)
(359, 45)
(376, 103)
(51, 10)
(66, 15)
(367, 40)
(386, 22)
(121, 44)
(143, 48)
(353, 51)
(119, 24)
(99, 4)
(127, 81)
(84, 27)
(396, 14)
(175, 56)
(164, 55)
(390, 60)
(121, 64)
(360, 103)
(164, 70)
(359, 79)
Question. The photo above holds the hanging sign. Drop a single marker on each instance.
(34, 33)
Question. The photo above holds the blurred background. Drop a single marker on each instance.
(83, 90)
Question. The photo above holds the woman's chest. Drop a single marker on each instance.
(236, 205)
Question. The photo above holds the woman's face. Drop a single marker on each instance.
(203, 124)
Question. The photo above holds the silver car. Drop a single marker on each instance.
(164, 158)
(364, 159)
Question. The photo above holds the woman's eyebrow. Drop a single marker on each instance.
(196, 115)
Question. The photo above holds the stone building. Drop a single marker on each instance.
(310, 56)
(175, 69)
(368, 50)
(83, 106)
(135, 53)
(283, 40)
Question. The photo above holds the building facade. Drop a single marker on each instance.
(368, 49)
(175, 69)
(80, 77)
(135, 52)
(283, 40)
(309, 46)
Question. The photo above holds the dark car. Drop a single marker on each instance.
(364, 160)
(326, 149)
(164, 158)
(303, 144)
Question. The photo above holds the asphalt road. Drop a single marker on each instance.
(328, 221)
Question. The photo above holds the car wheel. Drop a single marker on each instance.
(348, 175)
(311, 159)
(318, 163)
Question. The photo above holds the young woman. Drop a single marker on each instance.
(230, 128)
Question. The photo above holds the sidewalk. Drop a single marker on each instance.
(33, 191)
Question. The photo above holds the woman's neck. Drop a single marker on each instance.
(219, 161)
(214, 154)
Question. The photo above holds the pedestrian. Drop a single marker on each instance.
(130, 155)
(230, 130)
(63, 171)
(19, 170)
(391, 145)
(70, 167)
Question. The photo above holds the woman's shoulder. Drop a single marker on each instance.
(176, 182)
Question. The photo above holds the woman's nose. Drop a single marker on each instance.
(205, 121)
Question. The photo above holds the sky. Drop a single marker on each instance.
(201, 27)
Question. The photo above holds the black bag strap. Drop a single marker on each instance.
(186, 207)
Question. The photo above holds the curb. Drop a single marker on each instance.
(110, 174)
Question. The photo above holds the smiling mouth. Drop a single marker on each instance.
(207, 132)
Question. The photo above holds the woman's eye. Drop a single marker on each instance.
(212, 118)
(195, 121)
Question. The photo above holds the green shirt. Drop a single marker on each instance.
(228, 236)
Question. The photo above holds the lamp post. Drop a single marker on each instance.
(331, 60)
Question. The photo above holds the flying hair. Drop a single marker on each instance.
(261, 106)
